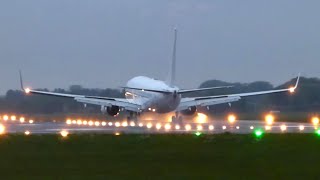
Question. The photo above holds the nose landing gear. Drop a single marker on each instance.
(177, 119)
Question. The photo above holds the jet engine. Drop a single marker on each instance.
(113, 110)
(190, 111)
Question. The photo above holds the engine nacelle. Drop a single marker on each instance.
(190, 111)
(113, 110)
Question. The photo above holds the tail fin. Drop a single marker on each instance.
(172, 73)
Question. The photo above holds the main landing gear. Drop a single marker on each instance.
(177, 119)
(132, 117)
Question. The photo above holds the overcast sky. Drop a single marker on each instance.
(104, 43)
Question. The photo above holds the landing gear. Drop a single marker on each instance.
(133, 117)
(177, 119)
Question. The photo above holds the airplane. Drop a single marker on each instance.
(144, 94)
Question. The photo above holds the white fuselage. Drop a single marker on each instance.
(160, 102)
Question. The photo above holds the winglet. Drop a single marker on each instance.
(21, 81)
(297, 82)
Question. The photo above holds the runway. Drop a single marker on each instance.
(152, 127)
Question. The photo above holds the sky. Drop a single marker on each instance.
(104, 43)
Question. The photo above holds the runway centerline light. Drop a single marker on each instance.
(251, 127)
(231, 118)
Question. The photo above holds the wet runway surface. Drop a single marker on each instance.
(152, 127)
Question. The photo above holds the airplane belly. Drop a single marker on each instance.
(167, 104)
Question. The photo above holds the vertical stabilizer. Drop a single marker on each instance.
(172, 73)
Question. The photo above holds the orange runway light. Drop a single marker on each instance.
(2, 129)
(167, 127)
(5, 117)
(158, 126)
(232, 118)
(68, 122)
(269, 118)
(13, 118)
(22, 119)
(315, 121)
(201, 118)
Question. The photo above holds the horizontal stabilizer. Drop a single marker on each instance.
(202, 89)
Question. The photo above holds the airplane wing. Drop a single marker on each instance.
(220, 99)
(95, 100)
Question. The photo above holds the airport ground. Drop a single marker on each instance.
(187, 156)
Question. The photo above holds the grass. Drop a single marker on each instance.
(226, 156)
